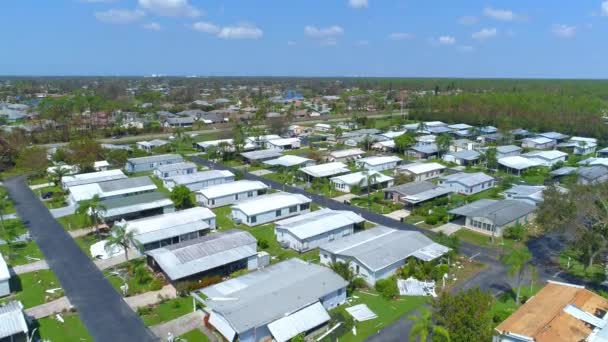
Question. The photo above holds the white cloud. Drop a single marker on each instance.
(605, 8)
(241, 31)
(446, 40)
(401, 36)
(329, 42)
(500, 14)
(205, 27)
(323, 32)
(152, 26)
(362, 43)
(468, 20)
(170, 8)
(466, 48)
(485, 33)
(119, 16)
(564, 31)
(358, 3)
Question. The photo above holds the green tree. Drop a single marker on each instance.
(466, 315)
(4, 205)
(57, 173)
(117, 157)
(404, 142)
(369, 179)
(121, 237)
(182, 197)
(443, 143)
(387, 288)
(32, 159)
(424, 328)
(94, 210)
(517, 262)
(490, 158)
(84, 153)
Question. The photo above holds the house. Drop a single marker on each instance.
(423, 140)
(384, 146)
(507, 151)
(218, 254)
(519, 133)
(326, 170)
(269, 208)
(92, 177)
(283, 144)
(229, 193)
(559, 312)
(603, 153)
(111, 189)
(517, 164)
(423, 151)
(532, 194)
(308, 231)
(392, 134)
(593, 174)
(346, 183)
(488, 130)
(463, 158)
(489, 216)
(289, 160)
(558, 137)
(199, 180)
(378, 253)
(321, 127)
(538, 143)
(438, 130)
(459, 127)
(180, 121)
(260, 141)
(296, 130)
(414, 193)
(467, 183)
(546, 158)
(148, 146)
(421, 171)
(101, 165)
(13, 325)
(171, 228)
(142, 164)
(562, 172)
(172, 170)
(275, 303)
(205, 146)
(579, 145)
(463, 145)
(136, 206)
(378, 163)
(5, 277)
(345, 155)
(259, 156)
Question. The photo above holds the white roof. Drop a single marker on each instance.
(262, 138)
(284, 141)
(426, 138)
(322, 125)
(169, 220)
(175, 166)
(347, 153)
(12, 320)
(284, 329)
(361, 178)
(288, 161)
(201, 176)
(379, 160)
(385, 143)
(221, 190)
(419, 168)
(210, 143)
(101, 163)
(4, 273)
(517, 162)
(318, 222)
(393, 134)
(92, 177)
(549, 155)
(588, 140)
(112, 188)
(270, 202)
(325, 170)
(540, 140)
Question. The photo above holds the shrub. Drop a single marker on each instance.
(144, 310)
(431, 220)
(156, 284)
(263, 244)
(359, 283)
(387, 288)
(516, 232)
(439, 270)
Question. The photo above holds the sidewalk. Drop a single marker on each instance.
(40, 186)
(180, 325)
(31, 267)
(151, 298)
(50, 308)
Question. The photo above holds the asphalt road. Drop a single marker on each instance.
(102, 310)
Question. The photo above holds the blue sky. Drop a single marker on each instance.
(447, 38)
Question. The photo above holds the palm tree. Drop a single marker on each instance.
(369, 178)
(58, 172)
(121, 237)
(94, 209)
(421, 127)
(423, 327)
(517, 262)
(443, 143)
(367, 142)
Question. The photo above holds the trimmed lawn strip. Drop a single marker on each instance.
(195, 336)
(75, 221)
(17, 253)
(50, 329)
(486, 240)
(167, 311)
(579, 269)
(266, 233)
(10, 208)
(30, 288)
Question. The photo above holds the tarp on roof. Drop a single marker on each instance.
(300, 321)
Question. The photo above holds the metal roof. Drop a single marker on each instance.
(360, 178)
(12, 320)
(165, 222)
(500, 212)
(325, 170)
(4, 272)
(155, 159)
(593, 172)
(466, 155)
(467, 179)
(126, 183)
(380, 246)
(262, 154)
(539, 140)
(176, 166)
(261, 297)
(508, 149)
(378, 160)
(419, 168)
(136, 203)
(283, 141)
(93, 177)
(427, 149)
(270, 202)
(346, 153)
(416, 192)
(517, 162)
(553, 135)
(112, 188)
(204, 253)
(318, 222)
(564, 171)
(201, 176)
(226, 189)
(460, 126)
(288, 161)
(298, 322)
(547, 155)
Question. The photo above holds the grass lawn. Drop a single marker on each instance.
(378, 203)
(10, 208)
(161, 187)
(194, 336)
(57, 200)
(578, 267)
(388, 311)
(50, 329)
(266, 233)
(223, 220)
(138, 282)
(30, 288)
(166, 311)
(75, 221)
(486, 240)
(85, 242)
(505, 304)
(18, 252)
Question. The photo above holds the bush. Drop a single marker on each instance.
(185, 287)
(156, 285)
(439, 270)
(263, 244)
(431, 220)
(516, 232)
(387, 288)
(144, 310)
(359, 283)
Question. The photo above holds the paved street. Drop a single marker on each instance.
(103, 311)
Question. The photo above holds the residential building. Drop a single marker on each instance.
(171, 228)
(459, 127)
(467, 183)
(345, 155)
(559, 312)
(308, 231)
(111, 189)
(378, 163)
(260, 141)
(259, 156)
(346, 183)
(276, 303)
(269, 208)
(283, 144)
(463, 158)
(13, 325)
(421, 171)
(546, 158)
(288, 161)
(538, 143)
(593, 174)
(517, 164)
(603, 153)
(5, 277)
(463, 145)
(384, 146)
(558, 137)
(136, 206)
(532, 194)
(218, 254)
(423, 151)
(177, 169)
(507, 151)
(200, 180)
(414, 193)
(143, 164)
(326, 170)
(321, 127)
(92, 177)
(424, 140)
(489, 216)
(148, 146)
(229, 193)
(101, 165)
(378, 253)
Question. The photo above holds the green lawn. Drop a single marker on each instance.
(10, 208)
(17, 253)
(159, 184)
(57, 200)
(223, 220)
(30, 288)
(50, 329)
(486, 240)
(378, 203)
(85, 242)
(193, 336)
(266, 233)
(75, 221)
(166, 311)
(578, 267)
(138, 282)
(388, 311)
(505, 304)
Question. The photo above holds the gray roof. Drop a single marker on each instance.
(262, 297)
(416, 192)
(380, 247)
(125, 183)
(466, 155)
(593, 172)
(467, 179)
(204, 253)
(553, 135)
(262, 154)
(507, 148)
(201, 176)
(155, 159)
(318, 222)
(501, 212)
(118, 202)
(427, 149)
(12, 319)
(176, 166)
(564, 171)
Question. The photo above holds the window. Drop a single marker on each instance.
(304, 206)
(253, 219)
(212, 202)
(250, 194)
(278, 213)
(357, 270)
(339, 292)
(293, 209)
(166, 174)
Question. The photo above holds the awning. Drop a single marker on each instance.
(301, 321)
(221, 325)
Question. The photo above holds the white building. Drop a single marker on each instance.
(323, 171)
(199, 180)
(92, 177)
(507, 151)
(290, 161)
(421, 171)
(143, 164)
(269, 208)
(13, 326)
(467, 183)
(517, 164)
(321, 127)
(111, 189)
(379, 163)
(172, 170)
(308, 231)
(148, 146)
(230, 193)
(5, 276)
(538, 143)
(345, 155)
(346, 183)
(546, 158)
(283, 144)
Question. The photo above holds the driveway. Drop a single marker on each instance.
(102, 310)
(448, 228)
